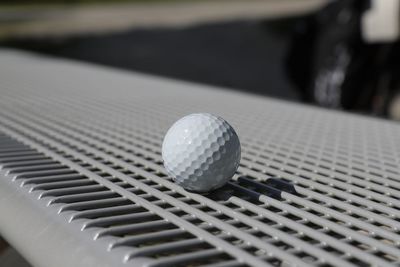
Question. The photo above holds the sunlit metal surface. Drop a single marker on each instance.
(82, 181)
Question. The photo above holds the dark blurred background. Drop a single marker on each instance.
(338, 54)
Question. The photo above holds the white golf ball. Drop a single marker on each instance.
(201, 152)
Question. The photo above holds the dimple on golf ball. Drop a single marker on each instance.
(201, 152)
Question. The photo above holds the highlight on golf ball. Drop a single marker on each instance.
(201, 152)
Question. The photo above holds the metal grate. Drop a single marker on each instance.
(314, 187)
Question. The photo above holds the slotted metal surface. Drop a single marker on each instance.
(82, 144)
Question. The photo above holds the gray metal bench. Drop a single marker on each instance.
(82, 181)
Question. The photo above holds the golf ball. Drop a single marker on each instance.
(201, 152)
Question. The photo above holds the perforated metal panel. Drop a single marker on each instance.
(80, 157)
